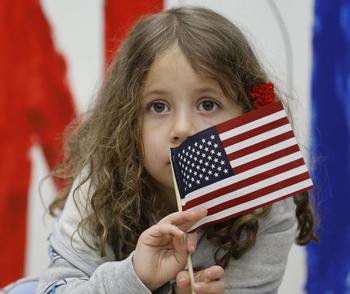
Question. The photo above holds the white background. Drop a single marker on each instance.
(282, 44)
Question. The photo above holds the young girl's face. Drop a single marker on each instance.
(177, 103)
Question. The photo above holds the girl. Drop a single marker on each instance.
(177, 72)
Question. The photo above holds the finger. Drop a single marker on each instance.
(183, 217)
(160, 230)
(210, 274)
(183, 279)
(216, 287)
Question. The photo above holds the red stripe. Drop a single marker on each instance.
(254, 132)
(250, 209)
(249, 117)
(267, 158)
(259, 193)
(243, 183)
(260, 145)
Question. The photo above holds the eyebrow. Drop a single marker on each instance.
(198, 90)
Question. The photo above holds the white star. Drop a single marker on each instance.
(189, 147)
(203, 169)
(206, 163)
(197, 167)
(200, 161)
(219, 168)
(192, 164)
(203, 140)
(186, 153)
(185, 167)
(210, 172)
(200, 176)
(225, 171)
(219, 153)
(207, 178)
(203, 155)
(198, 182)
(222, 162)
(183, 151)
(212, 137)
(216, 175)
(200, 146)
(206, 149)
(192, 179)
(195, 173)
(216, 145)
(215, 160)
(195, 158)
(212, 166)
(190, 170)
(196, 144)
(198, 153)
(209, 143)
(212, 151)
(189, 185)
(191, 156)
(209, 157)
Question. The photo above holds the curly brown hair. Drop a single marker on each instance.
(106, 140)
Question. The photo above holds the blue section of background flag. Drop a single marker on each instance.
(329, 261)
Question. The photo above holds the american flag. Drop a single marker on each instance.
(240, 165)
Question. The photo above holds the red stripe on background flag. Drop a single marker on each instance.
(36, 106)
(120, 16)
(266, 165)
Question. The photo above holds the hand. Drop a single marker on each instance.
(161, 251)
(206, 281)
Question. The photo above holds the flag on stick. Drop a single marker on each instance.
(240, 165)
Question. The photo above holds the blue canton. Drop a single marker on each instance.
(200, 161)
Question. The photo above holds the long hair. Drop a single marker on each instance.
(106, 140)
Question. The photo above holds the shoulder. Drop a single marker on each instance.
(281, 217)
(262, 268)
(67, 239)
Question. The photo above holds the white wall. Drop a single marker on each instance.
(78, 32)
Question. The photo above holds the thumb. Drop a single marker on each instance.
(183, 280)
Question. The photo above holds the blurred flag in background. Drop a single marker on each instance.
(329, 261)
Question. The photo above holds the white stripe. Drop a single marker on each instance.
(259, 138)
(241, 176)
(253, 187)
(252, 125)
(263, 152)
(253, 203)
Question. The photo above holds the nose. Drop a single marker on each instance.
(183, 126)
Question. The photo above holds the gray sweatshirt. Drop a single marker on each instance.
(76, 268)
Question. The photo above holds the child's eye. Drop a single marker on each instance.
(208, 105)
(158, 107)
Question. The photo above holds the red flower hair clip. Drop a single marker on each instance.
(262, 95)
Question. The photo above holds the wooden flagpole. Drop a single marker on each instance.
(179, 207)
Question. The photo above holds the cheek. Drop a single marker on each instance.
(152, 146)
